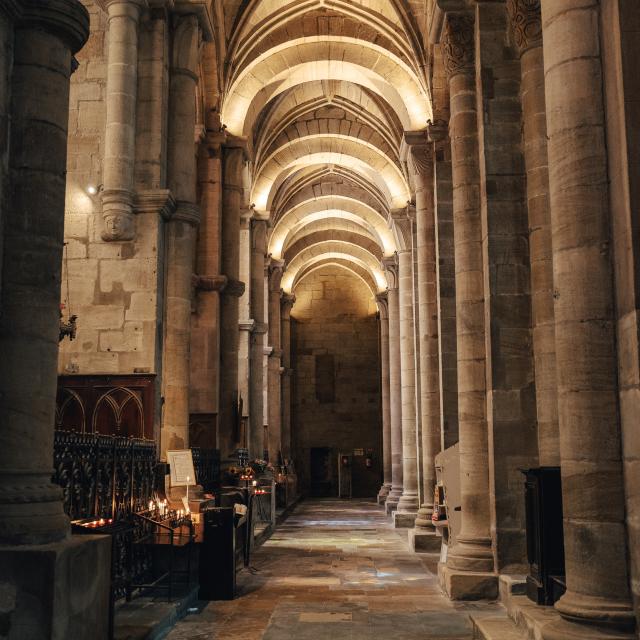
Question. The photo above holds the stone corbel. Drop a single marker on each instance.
(209, 283)
(234, 289)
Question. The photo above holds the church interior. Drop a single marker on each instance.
(319, 319)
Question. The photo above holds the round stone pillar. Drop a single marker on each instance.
(232, 193)
(383, 307)
(120, 134)
(590, 448)
(181, 233)
(288, 300)
(275, 362)
(408, 502)
(527, 29)
(473, 550)
(390, 266)
(46, 36)
(256, 379)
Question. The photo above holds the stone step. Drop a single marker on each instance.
(493, 628)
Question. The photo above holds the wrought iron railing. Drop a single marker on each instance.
(206, 463)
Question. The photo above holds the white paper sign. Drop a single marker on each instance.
(181, 465)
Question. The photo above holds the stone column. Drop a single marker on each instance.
(181, 233)
(471, 559)
(383, 307)
(232, 193)
(288, 300)
(45, 39)
(446, 281)
(120, 135)
(408, 503)
(246, 326)
(258, 251)
(423, 537)
(527, 30)
(390, 266)
(590, 449)
(275, 365)
(43, 570)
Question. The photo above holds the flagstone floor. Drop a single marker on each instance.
(335, 570)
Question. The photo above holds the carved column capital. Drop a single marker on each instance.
(420, 160)
(383, 304)
(234, 288)
(287, 302)
(390, 268)
(67, 19)
(275, 271)
(526, 23)
(209, 283)
(459, 44)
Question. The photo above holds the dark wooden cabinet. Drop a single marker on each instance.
(545, 537)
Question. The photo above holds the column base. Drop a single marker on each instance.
(472, 555)
(424, 541)
(383, 494)
(404, 519)
(467, 585)
(390, 506)
(565, 630)
(56, 591)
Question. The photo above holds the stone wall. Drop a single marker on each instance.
(115, 288)
(6, 57)
(336, 330)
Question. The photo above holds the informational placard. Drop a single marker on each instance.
(181, 466)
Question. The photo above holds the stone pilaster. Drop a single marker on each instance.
(597, 573)
(526, 25)
(275, 361)
(181, 233)
(288, 300)
(423, 537)
(383, 307)
(472, 553)
(246, 326)
(120, 135)
(408, 503)
(390, 265)
(232, 194)
(256, 381)
(43, 570)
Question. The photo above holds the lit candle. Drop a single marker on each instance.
(187, 488)
(150, 505)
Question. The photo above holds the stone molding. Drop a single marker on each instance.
(247, 325)
(233, 288)
(390, 267)
(66, 19)
(158, 201)
(187, 212)
(209, 283)
(260, 328)
(526, 23)
(459, 44)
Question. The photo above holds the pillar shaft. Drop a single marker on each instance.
(395, 401)
(408, 502)
(288, 301)
(527, 29)
(275, 364)
(383, 307)
(258, 250)
(120, 134)
(472, 551)
(232, 193)
(422, 169)
(181, 235)
(588, 413)
(45, 39)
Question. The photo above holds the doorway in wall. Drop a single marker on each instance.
(320, 473)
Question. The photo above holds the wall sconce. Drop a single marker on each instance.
(94, 190)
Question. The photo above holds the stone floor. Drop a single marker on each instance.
(335, 570)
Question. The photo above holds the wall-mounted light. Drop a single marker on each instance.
(93, 189)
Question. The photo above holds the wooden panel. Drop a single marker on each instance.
(109, 405)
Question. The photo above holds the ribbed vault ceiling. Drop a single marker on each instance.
(323, 91)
